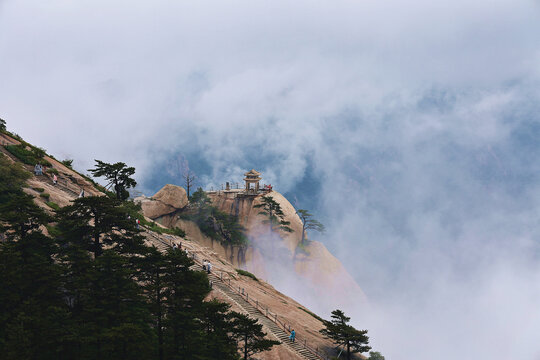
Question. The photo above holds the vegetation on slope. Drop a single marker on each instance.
(214, 223)
(275, 218)
(342, 334)
(91, 289)
(246, 273)
(28, 157)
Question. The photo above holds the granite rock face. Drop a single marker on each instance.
(317, 270)
(166, 201)
(172, 195)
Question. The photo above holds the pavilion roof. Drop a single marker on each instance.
(252, 172)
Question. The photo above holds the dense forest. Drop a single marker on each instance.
(82, 284)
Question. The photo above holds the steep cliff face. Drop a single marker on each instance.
(317, 273)
(305, 272)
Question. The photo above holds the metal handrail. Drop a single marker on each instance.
(268, 314)
(274, 317)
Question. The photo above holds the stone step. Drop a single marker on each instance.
(258, 314)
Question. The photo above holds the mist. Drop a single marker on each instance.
(411, 130)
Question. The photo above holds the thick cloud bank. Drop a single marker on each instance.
(417, 121)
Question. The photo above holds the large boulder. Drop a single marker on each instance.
(152, 208)
(166, 201)
(172, 195)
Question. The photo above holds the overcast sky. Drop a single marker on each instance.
(411, 128)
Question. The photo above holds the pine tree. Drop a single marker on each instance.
(355, 341)
(184, 293)
(12, 177)
(118, 175)
(32, 307)
(98, 221)
(151, 276)
(248, 332)
(274, 214)
(20, 214)
(102, 253)
(308, 223)
(33, 312)
(216, 324)
(115, 318)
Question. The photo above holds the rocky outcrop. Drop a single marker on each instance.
(308, 271)
(169, 199)
(172, 195)
(318, 271)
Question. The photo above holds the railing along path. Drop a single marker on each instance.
(262, 309)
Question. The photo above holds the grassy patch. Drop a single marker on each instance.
(174, 231)
(134, 210)
(52, 171)
(53, 205)
(29, 157)
(312, 314)
(45, 195)
(247, 273)
(38, 189)
(151, 225)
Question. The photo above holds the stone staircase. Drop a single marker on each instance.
(279, 333)
(257, 313)
(65, 188)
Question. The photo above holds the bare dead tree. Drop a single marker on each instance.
(189, 180)
(179, 168)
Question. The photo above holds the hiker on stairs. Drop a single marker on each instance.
(293, 336)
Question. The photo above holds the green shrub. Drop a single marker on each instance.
(312, 314)
(53, 205)
(45, 195)
(178, 232)
(207, 217)
(161, 230)
(2, 125)
(28, 157)
(247, 273)
(38, 152)
(52, 171)
(68, 163)
(38, 189)
(16, 136)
